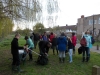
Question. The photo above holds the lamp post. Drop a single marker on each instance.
(93, 25)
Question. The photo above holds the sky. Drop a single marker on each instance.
(71, 10)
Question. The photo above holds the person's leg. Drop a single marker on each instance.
(60, 56)
(87, 54)
(63, 56)
(14, 62)
(47, 50)
(34, 44)
(83, 59)
(70, 54)
(73, 49)
(53, 50)
(18, 63)
(57, 50)
(30, 55)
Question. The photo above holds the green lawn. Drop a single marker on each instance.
(53, 67)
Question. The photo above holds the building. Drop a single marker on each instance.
(86, 23)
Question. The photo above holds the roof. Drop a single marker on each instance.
(72, 27)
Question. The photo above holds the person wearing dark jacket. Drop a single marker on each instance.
(62, 44)
(54, 44)
(15, 53)
(44, 47)
(36, 39)
(70, 49)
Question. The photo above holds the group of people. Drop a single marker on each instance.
(61, 44)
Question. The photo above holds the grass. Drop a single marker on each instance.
(53, 67)
(97, 43)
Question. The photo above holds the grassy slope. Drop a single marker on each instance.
(53, 67)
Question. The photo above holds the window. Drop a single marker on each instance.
(95, 21)
(99, 21)
(90, 22)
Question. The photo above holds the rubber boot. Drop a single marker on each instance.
(30, 57)
(14, 68)
(60, 60)
(87, 58)
(83, 59)
(57, 52)
(19, 70)
(53, 52)
(63, 60)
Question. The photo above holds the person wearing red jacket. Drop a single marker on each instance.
(51, 37)
(74, 39)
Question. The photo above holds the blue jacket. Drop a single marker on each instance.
(88, 39)
(62, 43)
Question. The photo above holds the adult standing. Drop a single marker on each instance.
(74, 39)
(36, 38)
(86, 48)
(62, 43)
(15, 53)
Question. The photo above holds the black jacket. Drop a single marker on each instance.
(15, 46)
(70, 45)
(54, 42)
(43, 46)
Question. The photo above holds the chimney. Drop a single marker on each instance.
(82, 16)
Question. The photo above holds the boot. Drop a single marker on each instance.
(83, 59)
(59, 60)
(87, 59)
(53, 52)
(19, 70)
(63, 60)
(14, 68)
(30, 57)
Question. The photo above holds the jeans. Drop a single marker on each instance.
(70, 54)
(85, 51)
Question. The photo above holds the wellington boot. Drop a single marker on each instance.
(19, 70)
(14, 68)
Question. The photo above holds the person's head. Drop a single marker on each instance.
(73, 33)
(87, 32)
(69, 39)
(49, 44)
(17, 35)
(62, 34)
(51, 33)
(26, 37)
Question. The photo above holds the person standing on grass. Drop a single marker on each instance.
(70, 49)
(30, 45)
(62, 43)
(74, 40)
(86, 48)
(54, 44)
(15, 53)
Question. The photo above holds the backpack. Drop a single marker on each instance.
(83, 41)
(80, 50)
(92, 40)
(42, 60)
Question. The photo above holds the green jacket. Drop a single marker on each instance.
(30, 44)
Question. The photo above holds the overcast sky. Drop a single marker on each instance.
(71, 10)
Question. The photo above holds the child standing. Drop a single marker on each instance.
(70, 49)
